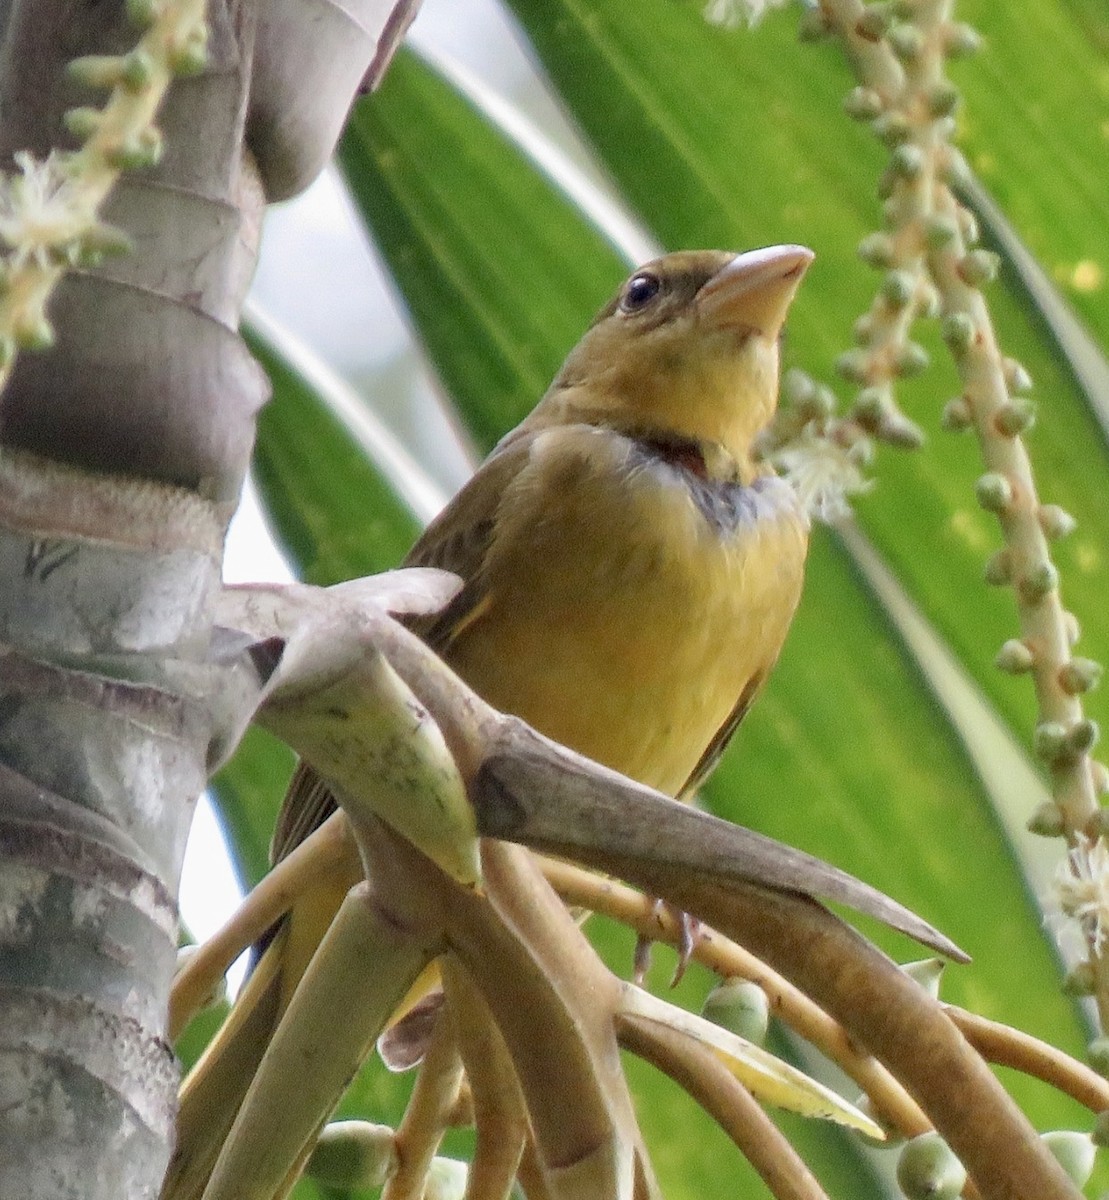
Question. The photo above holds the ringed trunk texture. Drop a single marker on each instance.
(122, 454)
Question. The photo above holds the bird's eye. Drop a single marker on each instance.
(640, 291)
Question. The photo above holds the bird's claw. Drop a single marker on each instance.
(689, 935)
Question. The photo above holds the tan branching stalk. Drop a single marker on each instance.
(497, 1108)
(889, 1101)
(729, 1103)
(499, 1111)
(48, 210)
(537, 1014)
(200, 975)
(1009, 1047)
(285, 1102)
(882, 1008)
(425, 1120)
(899, 51)
(530, 1176)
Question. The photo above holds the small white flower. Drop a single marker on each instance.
(1082, 888)
(39, 208)
(823, 473)
(730, 14)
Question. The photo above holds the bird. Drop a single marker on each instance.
(629, 567)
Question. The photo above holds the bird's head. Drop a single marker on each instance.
(687, 348)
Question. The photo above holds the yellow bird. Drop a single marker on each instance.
(630, 571)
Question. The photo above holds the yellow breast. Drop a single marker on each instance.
(625, 614)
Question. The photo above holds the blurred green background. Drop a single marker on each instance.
(501, 196)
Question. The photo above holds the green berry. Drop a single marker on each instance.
(979, 267)
(994, 492)
(873, 22)
(956, 415)
(1074, 630)
(943, 99)
(968, 224)
(1014, 417)
(958, 332)
(907, 161)
(898, 288)
(813, 26)
(1041, 581)
(741, 1007)
(353, 1154)
(1074, 1152)
(82, 122)
(896, 429)
(928, 303)
(854, 365)
(137, 71)
(870, 406)
(1015, 658)
(1050, 741)
(962, 41)
(940, 232)
(928, 1170)
(1080, 675)
(862, 104)
(144, 13)
(863, 330)
(1056, 522)
(138, 152)
(1017, 379)
(1083, 736)
(191, 56)
(911, 359)
(877, 250)
(906, 41)
(892, 128)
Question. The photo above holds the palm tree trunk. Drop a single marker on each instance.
(122, 452)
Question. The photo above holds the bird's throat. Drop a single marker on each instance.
(683, 453)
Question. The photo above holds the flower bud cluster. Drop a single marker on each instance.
(931, 264)
(914, 120)
(48, 221)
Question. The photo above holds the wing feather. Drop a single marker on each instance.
(458, 540)
(715, 748)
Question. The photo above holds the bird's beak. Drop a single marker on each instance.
(754, 290)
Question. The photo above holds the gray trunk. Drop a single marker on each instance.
(122, 453)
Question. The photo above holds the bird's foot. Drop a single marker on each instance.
(689, 935)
